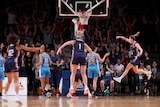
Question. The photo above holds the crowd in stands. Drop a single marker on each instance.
(37, 22)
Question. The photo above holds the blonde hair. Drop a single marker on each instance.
(79, 34)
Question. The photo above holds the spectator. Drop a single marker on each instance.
(146, 59)
(47, 36)
(118, 68)
(11, 18)
(107, 76)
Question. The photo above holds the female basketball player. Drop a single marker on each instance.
(134, 53)
(11, 68)
(44, 71)
(78, 78)
(2, 60)
(78, 57)
(93, 69)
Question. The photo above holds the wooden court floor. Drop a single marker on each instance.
(82, 101)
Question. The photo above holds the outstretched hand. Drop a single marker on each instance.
(59, 51)
(2, 45)
(117, 37)
(107, 54)
(42, 46)
(137, 33)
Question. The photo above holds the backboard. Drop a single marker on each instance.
(98, 8)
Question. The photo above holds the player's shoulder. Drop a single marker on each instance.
(136, 44)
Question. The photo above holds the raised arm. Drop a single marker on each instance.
(90, 51)
(35, 29)
(134, 20)
(71, 42)
(26, 30)
(7, 10)
(144, 19)
(101, 60)
(123, 38)
(88, 48)
(31, 49)
(33, 15)
(139, 48)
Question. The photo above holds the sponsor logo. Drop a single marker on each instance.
(21, 87)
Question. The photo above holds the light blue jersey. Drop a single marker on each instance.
(44, 71)
(1, 68)
(93, 69)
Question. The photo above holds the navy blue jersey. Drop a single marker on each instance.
(12, 52)
(78, 53)
(79, 48)
(11, 63)
(133, 51)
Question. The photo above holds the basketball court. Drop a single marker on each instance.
(82, 101)
(97, 9)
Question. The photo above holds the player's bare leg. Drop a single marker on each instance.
(72, 77)
(84, 78)
(128, 67)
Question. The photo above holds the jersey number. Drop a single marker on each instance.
(46, 60)
(11, 52)
(79, 46)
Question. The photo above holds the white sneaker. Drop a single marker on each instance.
(4, 98)
(89, 95)
(69, 95)
(18, 101)
(147, 92)
(118, 79)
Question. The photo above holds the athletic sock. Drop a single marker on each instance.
(85, 87)
(17, 96)
(71, 87)
(121, 76)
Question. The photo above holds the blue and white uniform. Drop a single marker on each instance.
(93, 69)
(1, 68)
(78, 54)
(133, 54)
(44, 71)
(11, 64)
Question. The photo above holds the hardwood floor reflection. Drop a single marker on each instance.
(82, 101)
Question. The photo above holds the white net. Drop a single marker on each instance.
(84, 17)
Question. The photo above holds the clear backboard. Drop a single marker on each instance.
(98, 8)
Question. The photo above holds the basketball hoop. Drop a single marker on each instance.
(83, 17)
(81, 21)
(71, 7)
